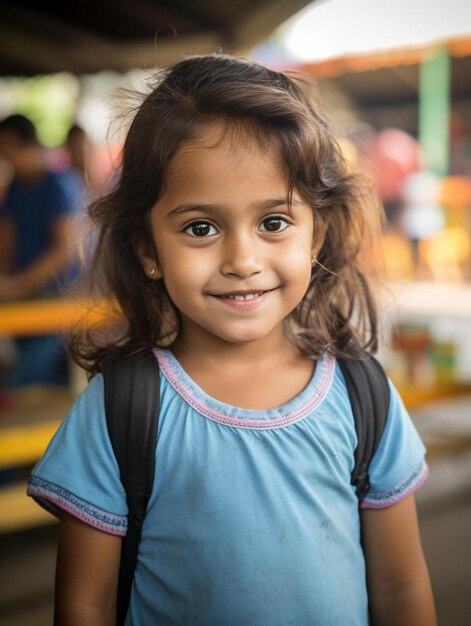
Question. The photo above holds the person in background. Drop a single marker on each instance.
(35, 258)
(79, 151)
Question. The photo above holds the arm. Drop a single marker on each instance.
(7, 234)
(86, 575)
(38, 274)
(398, 583)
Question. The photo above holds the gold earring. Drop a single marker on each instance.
(314, 259)
(153, 272)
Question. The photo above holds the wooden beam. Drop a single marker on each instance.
(262, 20)
(92, 55)
(46, 44)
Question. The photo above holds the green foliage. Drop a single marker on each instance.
(48, 101)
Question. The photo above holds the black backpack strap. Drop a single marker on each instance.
(369, 393)
(132, 403)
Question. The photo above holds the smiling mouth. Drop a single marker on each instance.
(243, 296)
(244, 299)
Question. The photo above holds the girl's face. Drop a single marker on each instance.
(235, 260)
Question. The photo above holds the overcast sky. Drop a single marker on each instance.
(330, 28)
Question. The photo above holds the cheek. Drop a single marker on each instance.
(184, 268)
(295, 261)
(297, 276)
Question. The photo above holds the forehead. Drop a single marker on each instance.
(225, 155)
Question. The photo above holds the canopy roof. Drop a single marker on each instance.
(373, 48)
(393, 77)
(92, 35)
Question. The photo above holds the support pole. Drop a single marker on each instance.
(434, 112)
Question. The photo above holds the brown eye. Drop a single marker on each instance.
(200, 229)
(273, 225)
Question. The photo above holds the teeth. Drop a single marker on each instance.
(247, 296)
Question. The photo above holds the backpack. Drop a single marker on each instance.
(132, 406)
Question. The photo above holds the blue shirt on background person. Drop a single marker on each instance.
(36, 259)
(33, 207)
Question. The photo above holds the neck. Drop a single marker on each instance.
(211, 352)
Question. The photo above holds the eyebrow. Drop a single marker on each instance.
(271, 203)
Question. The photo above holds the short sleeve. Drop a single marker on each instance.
(398, 467)
(62, 197)
(79, 472)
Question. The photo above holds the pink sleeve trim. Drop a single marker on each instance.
(54, 498)
(396, 494)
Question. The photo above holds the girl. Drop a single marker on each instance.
(231, 244)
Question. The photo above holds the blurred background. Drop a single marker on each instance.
(395, 80)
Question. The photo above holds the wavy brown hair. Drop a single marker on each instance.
(338, 313)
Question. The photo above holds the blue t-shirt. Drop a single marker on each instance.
(34, 207)
(252, 519)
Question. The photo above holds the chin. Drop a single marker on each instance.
(243, 337)
(244, 340)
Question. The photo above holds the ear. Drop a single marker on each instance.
(148, 262)
(151, 269)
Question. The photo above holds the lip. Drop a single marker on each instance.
(244, 304)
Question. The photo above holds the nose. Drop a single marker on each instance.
(241, 257)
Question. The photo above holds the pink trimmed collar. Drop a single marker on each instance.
(293, 411)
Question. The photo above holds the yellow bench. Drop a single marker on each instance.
(24, 435)
(24, 445)
(38, 317)
(19, 511)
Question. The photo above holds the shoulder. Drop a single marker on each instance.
(79, 472)
(62, 194)
(398, 467)
(87, 414)
(50, 179)
(93, 390)
(70, 181)
(91, 400)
